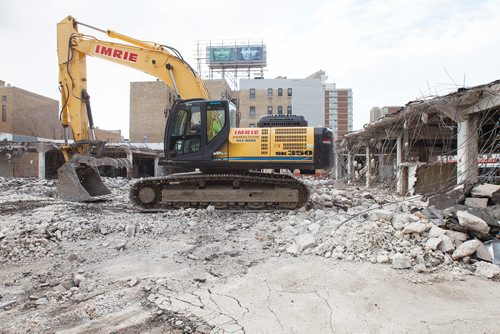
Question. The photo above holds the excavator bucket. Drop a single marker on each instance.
(80, 184)
(79, 179)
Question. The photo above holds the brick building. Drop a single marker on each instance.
(26, 114)
(30, 117)
(338, 110)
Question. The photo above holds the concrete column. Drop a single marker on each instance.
(338, 165)
(349, 167)
(368, 167)
(41, 165)
(157, 168)
(467, 151)
(130, 157)
(381, 165)
(399, 156)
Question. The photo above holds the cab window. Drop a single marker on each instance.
(216, 119)
(186, 134)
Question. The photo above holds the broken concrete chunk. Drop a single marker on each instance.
(487, 270)
(78, 279)
(496, 197)
(443, 201)
(446, 245)
(472, 222)
(380, 215)
(305, 241)
(476, 202)
(483, 254)
(401, 220)
(494, 212)
(433, 243)
(420, 268)
(485, 214)
(133, 282)
(399, 261)
(131, 229)
(382, 258)
(416, 227)
(293, 249)
(456, 236)
(73, 257)
(41, 301)
(466, 249)
(485, 190)
(121, 245)
(314, 228)
(435, 232)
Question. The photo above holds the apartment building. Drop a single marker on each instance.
(281, 96)
(338, 110)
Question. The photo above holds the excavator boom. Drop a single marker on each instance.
(79, 178)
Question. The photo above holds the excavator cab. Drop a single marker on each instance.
(196, 129)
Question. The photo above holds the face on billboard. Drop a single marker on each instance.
(248, 53)
(222, 54)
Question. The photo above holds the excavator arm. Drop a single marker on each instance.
(79, 179)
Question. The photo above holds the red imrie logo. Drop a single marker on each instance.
(115, 53)
(246, 132)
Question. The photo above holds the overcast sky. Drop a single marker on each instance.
(388, 52)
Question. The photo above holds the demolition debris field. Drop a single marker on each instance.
(384, 265)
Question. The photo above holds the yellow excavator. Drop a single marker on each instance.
(215, 163)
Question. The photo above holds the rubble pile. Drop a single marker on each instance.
(68, 246)
(343, 224)
(383, 228)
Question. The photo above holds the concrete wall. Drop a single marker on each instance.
(110, 136)
(25, 166)
(6, 168)
(436, 176)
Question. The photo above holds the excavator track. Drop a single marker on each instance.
(246, 191)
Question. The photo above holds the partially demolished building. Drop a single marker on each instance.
(429, 145)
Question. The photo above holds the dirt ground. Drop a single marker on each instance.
(108, 268)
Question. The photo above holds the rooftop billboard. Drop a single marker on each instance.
(236, 56)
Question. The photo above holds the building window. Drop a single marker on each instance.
(252, 93)
(251, 125)
(251, 112)
(269, 92)
(280, 91)
(289, 92)
(4, 98)
(4, 113)
(280, 110)
(289, 110)
(270, 110)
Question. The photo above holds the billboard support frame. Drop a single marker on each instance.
(231, 60)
